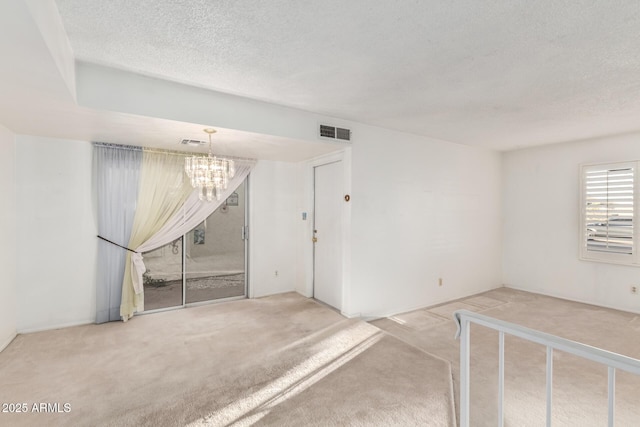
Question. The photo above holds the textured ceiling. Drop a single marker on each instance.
(499, 74)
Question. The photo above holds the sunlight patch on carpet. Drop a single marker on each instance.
(330, 354)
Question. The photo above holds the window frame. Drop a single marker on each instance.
(632, 259)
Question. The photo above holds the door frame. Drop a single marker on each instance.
(246, 236)
(306, 287)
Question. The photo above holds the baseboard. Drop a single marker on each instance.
(58, 326)
(8, 341)
(306, 294)
(279, 292)
(350, 315)
(581, 301)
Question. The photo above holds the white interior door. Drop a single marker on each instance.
(327, 254)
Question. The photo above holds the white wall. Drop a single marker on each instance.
(541, 188)
(274, 195)
(8, 227)
(56, 246)
(433, 212)
(56, 233)
(422, 209)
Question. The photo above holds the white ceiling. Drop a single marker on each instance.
(37, 97)
(502, 75)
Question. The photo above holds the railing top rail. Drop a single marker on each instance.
(595, 354)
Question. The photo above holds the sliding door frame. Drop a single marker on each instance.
(245, 235)
(246, 260)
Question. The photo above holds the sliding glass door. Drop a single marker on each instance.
(215, 261)
(163, 278)
(208, 263)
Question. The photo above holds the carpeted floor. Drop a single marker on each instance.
(579, 387)
(289, 361)
(278, 361)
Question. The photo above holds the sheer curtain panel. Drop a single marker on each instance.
(191, 213)
(163, 189)
(117, 174)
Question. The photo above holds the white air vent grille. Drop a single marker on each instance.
(328, 131)
(333, 132)
(344, 134)
(193, 142)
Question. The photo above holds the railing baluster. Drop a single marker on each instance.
(612, 395)
(465, 342)
(464, 318)
(549, 384)
(501, 379)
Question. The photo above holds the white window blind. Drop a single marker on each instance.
(608, 206)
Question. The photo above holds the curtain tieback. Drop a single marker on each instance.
(120, 246)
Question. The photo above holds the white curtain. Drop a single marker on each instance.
(163, 189)
(116, 182)
(189, 214)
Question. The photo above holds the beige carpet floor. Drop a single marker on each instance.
(278, 361)
(579, 387)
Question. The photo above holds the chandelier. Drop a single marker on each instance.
(209, 174)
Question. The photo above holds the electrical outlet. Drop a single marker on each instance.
(634, 290)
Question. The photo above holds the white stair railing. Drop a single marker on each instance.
(464, 318)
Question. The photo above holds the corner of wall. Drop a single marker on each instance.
(8, 258)
(273, 195)
(49, 22)
(7, 341)
(541, 204)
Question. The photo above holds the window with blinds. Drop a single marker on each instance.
(608, 206)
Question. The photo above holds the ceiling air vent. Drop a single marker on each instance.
(192, 142)
(333, 132)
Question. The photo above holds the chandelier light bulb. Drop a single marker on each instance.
(209, 174)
